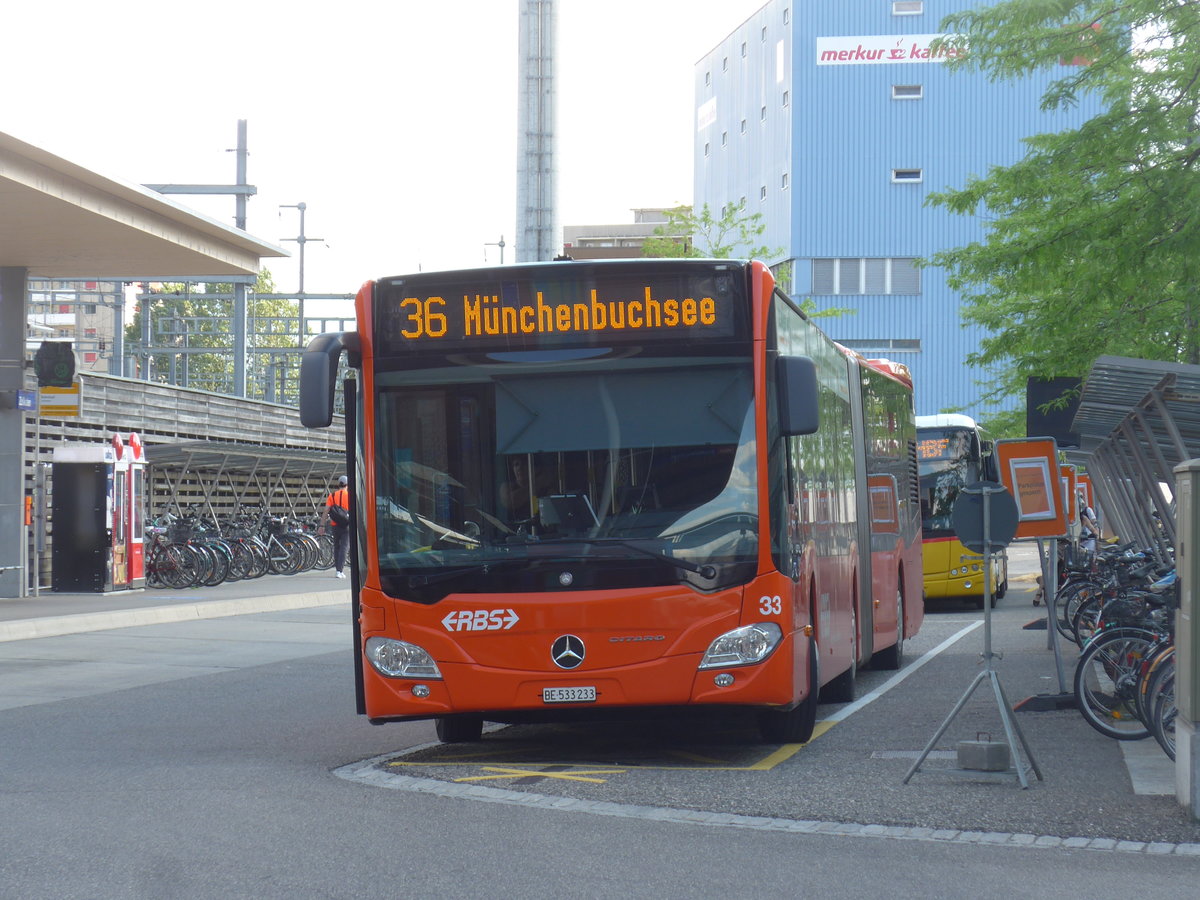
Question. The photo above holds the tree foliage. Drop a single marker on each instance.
(1093, 240)
(735, 234)
(200, 316)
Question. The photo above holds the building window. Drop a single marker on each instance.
(786, 15)
(783, 182)
(908, 91)
(707, 78)
(762, 115)
(786, 97)
(906, 176)
(762, 192)
(743, 49)
(764, 34)
(865, 276)
(724, 138)
(707, 147)
(725, 64)
(908, 7)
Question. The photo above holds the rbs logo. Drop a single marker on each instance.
(480, 620)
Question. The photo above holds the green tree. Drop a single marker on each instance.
(1093, 244)
(200, 317)
(691, 234)
(688, 233)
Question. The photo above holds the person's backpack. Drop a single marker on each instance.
(339, 515)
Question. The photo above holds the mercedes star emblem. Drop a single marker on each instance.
(567, 651)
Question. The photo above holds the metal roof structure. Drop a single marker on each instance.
(219, 457)
(239, 468)
(1137, 420)
(60, 220)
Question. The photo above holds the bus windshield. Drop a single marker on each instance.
(948, 462)
(542, 472)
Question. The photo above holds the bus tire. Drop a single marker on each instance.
(459, 729)
(794, 726)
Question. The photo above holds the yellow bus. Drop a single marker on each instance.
(952, 452)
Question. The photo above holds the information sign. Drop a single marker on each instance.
(1029, 469)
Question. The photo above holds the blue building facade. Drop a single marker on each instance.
(835, 120)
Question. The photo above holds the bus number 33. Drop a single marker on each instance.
(770, 606)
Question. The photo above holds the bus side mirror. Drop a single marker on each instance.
(318, 375)
(797, 380)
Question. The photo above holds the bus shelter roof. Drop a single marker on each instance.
(218, 457)
(297, 477)
(1137, 420)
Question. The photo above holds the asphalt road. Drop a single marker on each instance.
(221, 758)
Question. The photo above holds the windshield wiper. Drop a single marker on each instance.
(704, 571)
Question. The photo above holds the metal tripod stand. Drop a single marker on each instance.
(989, 672)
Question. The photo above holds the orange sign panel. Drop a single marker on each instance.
(1030, 470)
(1070, 496)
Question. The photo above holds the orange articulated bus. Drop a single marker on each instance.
(587, 488)
(954, 452)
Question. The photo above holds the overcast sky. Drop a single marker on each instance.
(392, 120)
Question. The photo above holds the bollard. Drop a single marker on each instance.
(1187, 639)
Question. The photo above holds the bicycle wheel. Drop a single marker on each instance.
(242, 560)
(1160, 698)
(1067, 603)
(286, 556)
(310, 550)
(179, 567)
(325, 559)
(222, 557)
(1150, 668)
(1087, 619)
(260, 560)
(1106, 682)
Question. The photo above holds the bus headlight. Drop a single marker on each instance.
(400, 659)
(743, 646)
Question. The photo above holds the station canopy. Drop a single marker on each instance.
(1137, 420)
(217, 457)
(61, 220)
(283, 479)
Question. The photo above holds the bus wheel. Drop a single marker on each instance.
(892, 657)
(794, 726)
(1002, 590)
(459, 729)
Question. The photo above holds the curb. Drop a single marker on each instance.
(56, 626)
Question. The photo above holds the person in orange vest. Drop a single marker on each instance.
(337, 508)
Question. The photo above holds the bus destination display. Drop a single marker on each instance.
(518, 315)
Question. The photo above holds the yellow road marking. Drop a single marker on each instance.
(577, 775)
(770, 761)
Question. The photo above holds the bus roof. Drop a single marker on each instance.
(945, 420)
(894, 370)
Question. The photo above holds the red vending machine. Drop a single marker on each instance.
(97, 524)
